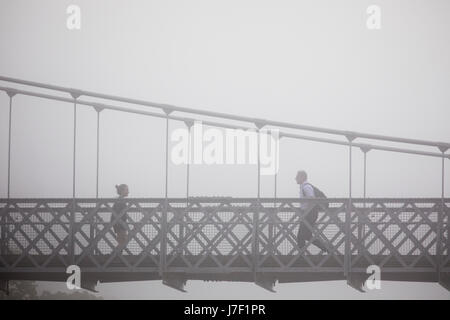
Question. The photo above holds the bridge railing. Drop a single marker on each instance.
(219, 235)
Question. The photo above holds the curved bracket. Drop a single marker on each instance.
(11, 92)
(366, 148)
(176, 283)
(443, 147)
(89, 284)
(350, 135)
(167, 108)
(98, 107)
(260, 123)
(189, 123)
(265, 282)
(75, 93)
(357, 281)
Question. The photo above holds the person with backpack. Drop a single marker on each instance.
(307, 190)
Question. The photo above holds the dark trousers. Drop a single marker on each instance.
(306, 234)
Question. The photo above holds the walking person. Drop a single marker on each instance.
(307, 190)
(119, 206)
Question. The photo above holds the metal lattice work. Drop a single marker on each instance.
(221, 236)
(233, 239)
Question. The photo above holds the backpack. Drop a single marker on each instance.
(319, 194)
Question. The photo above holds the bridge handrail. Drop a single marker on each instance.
(443, 146)
(362, 146)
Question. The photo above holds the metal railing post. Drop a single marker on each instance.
(163, 249)
(98, 110)
(3, 240)
(440, 220)
(255, 246)
(10, 94)
(271, 221)
(71, 251)
(4, 219)
(447, 213)
(362, 226)
(182, 228)
(93, 227)
(348, 253)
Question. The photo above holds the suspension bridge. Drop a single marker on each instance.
(221, 239)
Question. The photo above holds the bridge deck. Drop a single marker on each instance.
(231, 268)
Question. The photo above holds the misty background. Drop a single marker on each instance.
(306, 62)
